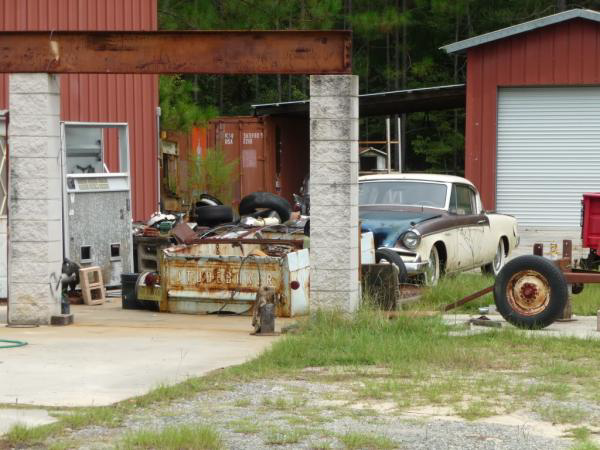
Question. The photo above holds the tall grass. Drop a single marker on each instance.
(197, 437)
(411, 345)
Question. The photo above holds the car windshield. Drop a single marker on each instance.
(418, 193)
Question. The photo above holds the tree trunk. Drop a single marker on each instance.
(455, 61)
(256, 89)
(397, 53)
(404, 49)
(279, 87)
(221, 94)
(387, 61)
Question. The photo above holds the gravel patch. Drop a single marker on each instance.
(302, 414)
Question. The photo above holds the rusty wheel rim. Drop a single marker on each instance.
(528, 292)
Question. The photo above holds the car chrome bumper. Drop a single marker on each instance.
(412, 261)
(416, 267)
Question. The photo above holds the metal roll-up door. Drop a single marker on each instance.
(548, 153)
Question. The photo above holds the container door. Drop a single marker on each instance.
(252, 161)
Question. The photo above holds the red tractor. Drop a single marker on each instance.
(590, 229)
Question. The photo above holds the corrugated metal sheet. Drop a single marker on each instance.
(562, 54)
(548, 153)
(101, 98)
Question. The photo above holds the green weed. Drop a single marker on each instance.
(286, 437)
(366, 441)
(244, 426)
(199, 437)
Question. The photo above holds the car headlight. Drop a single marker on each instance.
(411, 239)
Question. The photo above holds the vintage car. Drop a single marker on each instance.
(430, 225)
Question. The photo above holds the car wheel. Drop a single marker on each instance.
(386, 256)
(497, 264)
(432, 274)
(530, 292)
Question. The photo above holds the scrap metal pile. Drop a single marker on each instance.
(219, 261)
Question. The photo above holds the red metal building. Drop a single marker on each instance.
(533, 116)
(102, 98)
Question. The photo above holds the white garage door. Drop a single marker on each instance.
(548, 153)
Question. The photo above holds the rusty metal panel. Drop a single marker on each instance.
(175, 52)
(104, 97)
(564, 54)
(222, 276)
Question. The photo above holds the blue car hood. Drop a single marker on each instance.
(388, 225)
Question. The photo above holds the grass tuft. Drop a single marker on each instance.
(200, 437)
(244, 426)
(286, 437)
(366, 441)
(562, 414)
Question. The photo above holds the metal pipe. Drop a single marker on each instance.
(399, 142)
(388, 144)
(158, 113)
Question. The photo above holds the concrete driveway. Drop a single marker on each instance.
(111, 354)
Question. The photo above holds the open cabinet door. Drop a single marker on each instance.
(3, 205)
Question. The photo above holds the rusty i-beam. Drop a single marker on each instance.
(177, 52)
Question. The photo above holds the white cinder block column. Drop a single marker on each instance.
(334, 230)
(34, 207)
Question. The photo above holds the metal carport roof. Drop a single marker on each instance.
(381, 103)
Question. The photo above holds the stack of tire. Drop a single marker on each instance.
(210, 212)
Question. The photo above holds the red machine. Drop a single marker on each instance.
(590, 229)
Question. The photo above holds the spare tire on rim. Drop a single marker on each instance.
(214, 215)
(256, 201)
(530, 292)
(385, 255)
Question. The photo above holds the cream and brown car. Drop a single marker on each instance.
(435, 224)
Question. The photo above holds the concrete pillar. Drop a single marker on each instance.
(35, 199)
(334, 233)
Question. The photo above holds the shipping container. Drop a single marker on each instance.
(103, 97)
(247, 142)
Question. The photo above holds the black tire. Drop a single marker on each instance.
(530, 292)
(265, 200)
(384, 254)
(577, 288)
(208, 200)
(214, 215)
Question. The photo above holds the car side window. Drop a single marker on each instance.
(462, 200)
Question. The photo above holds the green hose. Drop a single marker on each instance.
(12, 344)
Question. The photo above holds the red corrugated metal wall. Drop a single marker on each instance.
(102, 98)
(562, 54)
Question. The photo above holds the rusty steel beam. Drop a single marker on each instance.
(287, 242)
(582, 277)
(468, 298)
(174, 52)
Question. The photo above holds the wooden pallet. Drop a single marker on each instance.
(92, 286)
